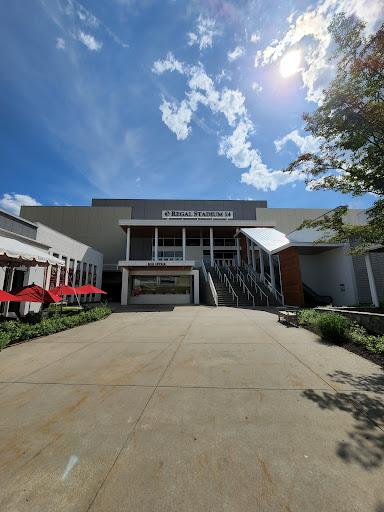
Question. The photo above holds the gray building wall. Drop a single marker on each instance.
(17, 225)
(97, 227)
(289, 219)
(362, 283)
(152, 208)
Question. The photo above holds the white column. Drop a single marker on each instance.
(261, 261)
(128, 251)
(66, 270)
(156, 242)
(124, 287)
(211, 246)
(196, 298)
(72, 283)
(272, 271)
(253, 256)
(248, 251)
(238, 250)
(371, 279)
(184, 234)
(85, 297)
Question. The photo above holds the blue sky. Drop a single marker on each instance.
(163, 99)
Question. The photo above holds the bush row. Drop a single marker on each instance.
(338, 329)
(16, 330)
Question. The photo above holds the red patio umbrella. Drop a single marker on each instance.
(63, 290)
(5, 297)
(88, 288)
(35, 293)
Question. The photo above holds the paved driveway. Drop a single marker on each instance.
(190, 409)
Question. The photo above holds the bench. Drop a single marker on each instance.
(289, 314)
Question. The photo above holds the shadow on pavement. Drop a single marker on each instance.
(365, 444)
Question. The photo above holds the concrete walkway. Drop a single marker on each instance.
(190, 409)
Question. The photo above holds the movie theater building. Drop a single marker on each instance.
(167, 251)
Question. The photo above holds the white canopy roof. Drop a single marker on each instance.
(273, 241)
(15, 251)
(270, 239)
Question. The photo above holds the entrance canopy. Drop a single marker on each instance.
(18, 253)
(273, 241)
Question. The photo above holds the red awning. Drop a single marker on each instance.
(35, 293)
(63, 290)
(5, 297)
(88, 288)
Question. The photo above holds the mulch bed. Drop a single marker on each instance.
(356, 349)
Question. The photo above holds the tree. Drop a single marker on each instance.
(350, 125)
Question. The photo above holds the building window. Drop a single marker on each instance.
(193, 242)
(160, 285)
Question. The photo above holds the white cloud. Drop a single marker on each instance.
(230, 103)
(308, 144)
(204, 34)
(237, 52)
(255, 37)
(13, 202)
(169, 64)
(90, 42)
(310, 31)
(256, 87)
(60, 43)
(87, 17)
(138, 179)
(262, 178)
(224, 75)
(177, 118)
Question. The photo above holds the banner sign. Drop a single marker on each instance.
(192, 214)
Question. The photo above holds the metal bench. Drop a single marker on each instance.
(289, 314)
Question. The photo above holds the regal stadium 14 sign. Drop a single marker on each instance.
(191, 214)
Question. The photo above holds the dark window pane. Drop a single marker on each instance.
(178, 242)
(230, 242)
(160, 242)
(219, 241)
(206, 242)
(193, 242)
(168, 242)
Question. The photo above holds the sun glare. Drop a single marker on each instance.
(289, 64)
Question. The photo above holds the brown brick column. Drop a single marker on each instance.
(243, 248)
(291, 283)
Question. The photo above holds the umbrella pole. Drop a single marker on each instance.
(44, 284)
(61, 295)
(77, 298)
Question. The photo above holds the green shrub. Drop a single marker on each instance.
(16, 330)
(333, 327)
(308, 316)
(359, 335)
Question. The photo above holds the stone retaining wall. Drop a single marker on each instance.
(373, 322)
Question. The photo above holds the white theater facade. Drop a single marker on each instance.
(161, 251)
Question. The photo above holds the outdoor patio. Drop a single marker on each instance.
(189, 408)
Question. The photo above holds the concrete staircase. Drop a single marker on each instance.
(225, 297)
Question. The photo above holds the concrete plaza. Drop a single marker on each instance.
(189, 409)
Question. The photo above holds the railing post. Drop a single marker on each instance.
(156, 242)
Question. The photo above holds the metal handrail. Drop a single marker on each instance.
(257, 287)
(253, 279)
(231, 290)
(245, 288)
(263, 279)
(204, 270)
(216, 267)
(226, 266)
(213, 289)
(262, 292)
